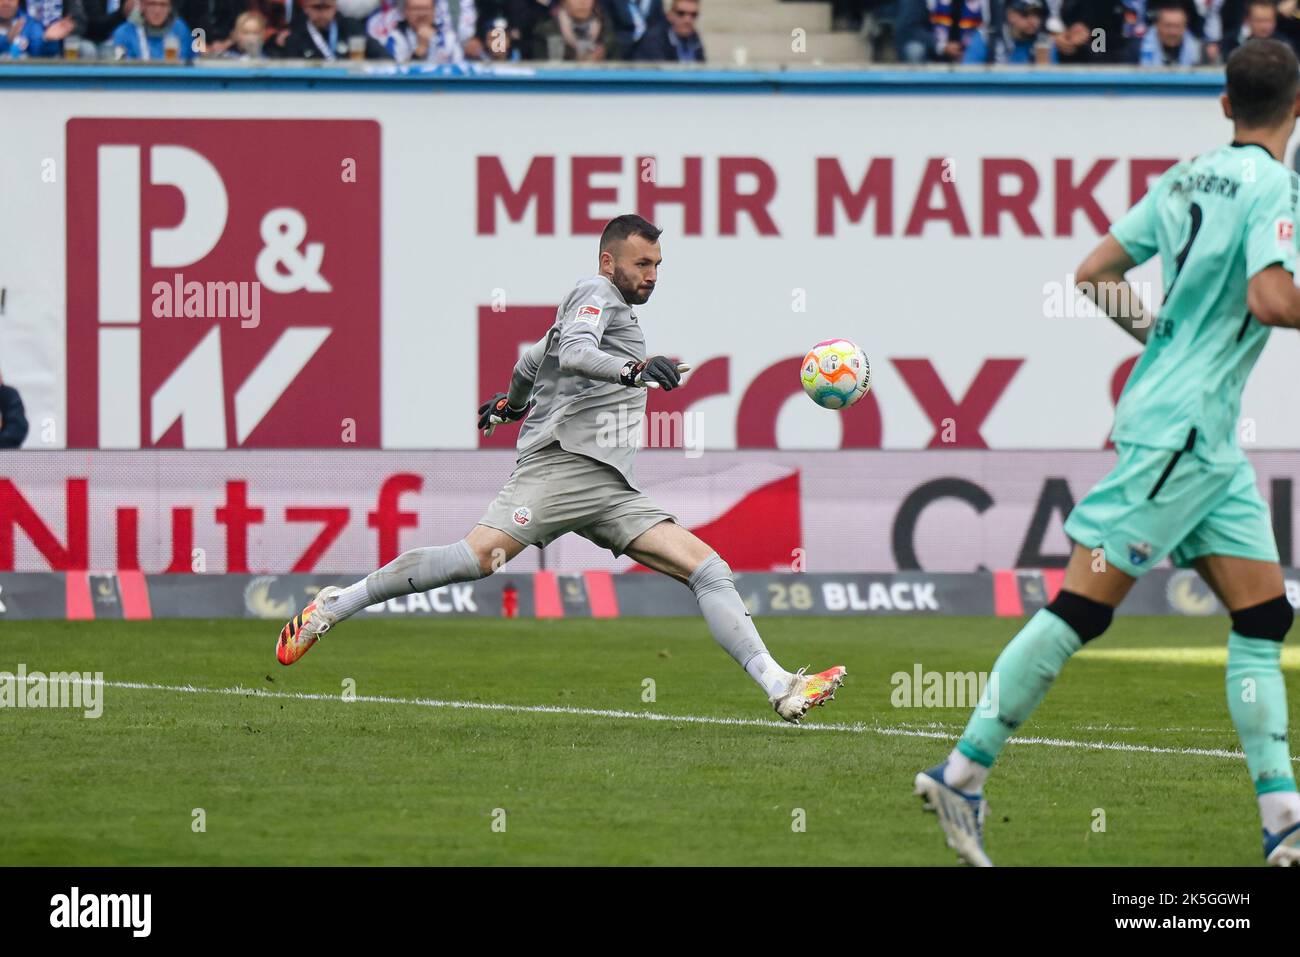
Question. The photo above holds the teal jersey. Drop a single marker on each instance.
(1215, 221)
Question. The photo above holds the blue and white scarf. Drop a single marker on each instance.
(45, 12)
(1153, 54)
(639, 11)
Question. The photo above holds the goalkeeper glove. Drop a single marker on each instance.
(656, 372)
(497, 410)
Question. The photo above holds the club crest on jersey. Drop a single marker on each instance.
(523, 515)
(588, 314)
(1139, 552)
(1285, 233)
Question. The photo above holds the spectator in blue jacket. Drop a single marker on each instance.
(60, 18)
(674, 40)
(1170, 43)
(21, 35)
(144, 34)
(1013, 40)
(630, 20)
(13, 420)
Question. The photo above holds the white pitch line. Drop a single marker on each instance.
(855, 728)
(958, 726)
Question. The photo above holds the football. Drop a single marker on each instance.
(835, 374)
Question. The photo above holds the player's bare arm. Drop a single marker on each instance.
(1273, 298)
(1101, 278)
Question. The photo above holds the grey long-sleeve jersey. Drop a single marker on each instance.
(572, 375)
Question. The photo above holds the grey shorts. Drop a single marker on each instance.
(554, 491)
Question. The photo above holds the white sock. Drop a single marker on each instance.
(1279, 810)
(770, 676)
(964, 774)
(350, 600)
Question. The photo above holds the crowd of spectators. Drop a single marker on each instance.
(1149, 33)
(433, 31)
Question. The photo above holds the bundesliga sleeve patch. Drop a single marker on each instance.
(1285, 234)
(588, 314)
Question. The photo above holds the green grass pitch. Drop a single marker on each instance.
(288, 780)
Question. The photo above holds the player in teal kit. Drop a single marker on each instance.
(1223, 225)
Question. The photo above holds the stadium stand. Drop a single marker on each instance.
(762, 31)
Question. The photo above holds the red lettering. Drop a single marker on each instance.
(1071, 198)
(335, 519)
(128, 549)
(16, 512)
(236, 515)
(1016, 204)
(771, 388)
(833, 188)
(937, 175)
(966, 417)
(538, 186)
(732, 202)
(581, 169)
(649, 194)
(182, 542)
(711, 378)
(388, 519)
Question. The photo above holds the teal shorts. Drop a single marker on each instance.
(1159, 502)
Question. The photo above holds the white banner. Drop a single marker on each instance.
(398, 243)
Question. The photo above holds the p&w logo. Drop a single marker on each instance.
(223, 283)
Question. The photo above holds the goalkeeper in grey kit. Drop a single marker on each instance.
(581, 393)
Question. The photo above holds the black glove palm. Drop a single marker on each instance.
(497, 410)
(656, 372)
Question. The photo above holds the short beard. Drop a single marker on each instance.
(631, 295)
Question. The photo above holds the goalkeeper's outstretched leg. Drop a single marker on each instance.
(675, 551)
(475, 556)
(666, 547)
